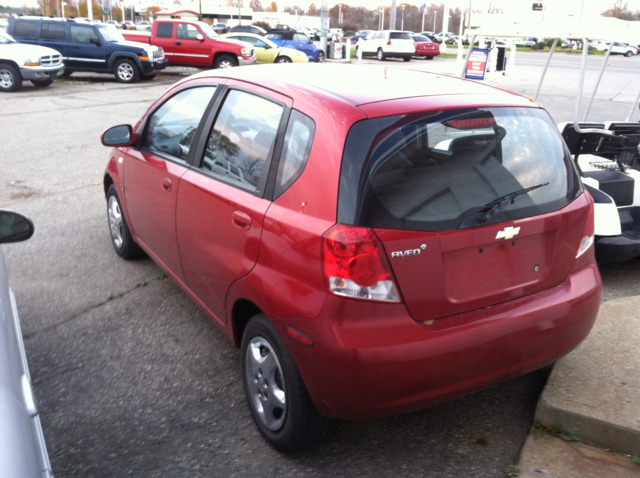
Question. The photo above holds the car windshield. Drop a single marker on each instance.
(454, 169)
(110, 33)
(207, 30)
(6, 38)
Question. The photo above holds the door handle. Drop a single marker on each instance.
(241, 219)
(166, 183)
(178, 43)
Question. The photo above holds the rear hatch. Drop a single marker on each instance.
(473, 206)
(400, 42)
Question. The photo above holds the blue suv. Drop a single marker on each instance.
(297, 41)
(87, 46)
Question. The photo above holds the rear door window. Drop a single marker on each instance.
(454, 169)
(165, 30)
(53, 31)
(295, 153)
(242, 140)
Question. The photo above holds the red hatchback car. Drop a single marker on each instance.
(425, 47)
(374, 242)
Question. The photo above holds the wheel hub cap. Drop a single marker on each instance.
(265, 382)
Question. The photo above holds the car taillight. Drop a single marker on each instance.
(389, 41)
(355, 264)
(589, 229)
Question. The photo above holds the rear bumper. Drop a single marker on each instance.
(620, 248)
(381, 362)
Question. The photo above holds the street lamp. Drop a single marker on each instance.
(402, 22)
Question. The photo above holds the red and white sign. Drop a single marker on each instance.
(477, 64)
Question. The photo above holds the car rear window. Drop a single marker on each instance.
(25, 29)
(399, 36)
(454, 169)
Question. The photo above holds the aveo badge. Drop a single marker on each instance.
(409, 252)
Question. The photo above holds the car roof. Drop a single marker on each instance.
(365, 84)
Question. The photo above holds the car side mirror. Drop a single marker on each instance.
(14, 227)
(121, 135)
(95, 41)
(199, 37)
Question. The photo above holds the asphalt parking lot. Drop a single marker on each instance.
(133, 380)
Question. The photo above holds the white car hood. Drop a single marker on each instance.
(18, 52)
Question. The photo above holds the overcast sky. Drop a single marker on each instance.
(591, 7)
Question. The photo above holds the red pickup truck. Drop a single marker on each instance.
(192, 43)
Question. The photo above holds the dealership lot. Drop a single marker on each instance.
(132, 379)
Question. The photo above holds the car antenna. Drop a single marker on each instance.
(294, 31)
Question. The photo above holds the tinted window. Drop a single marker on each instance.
(400, 36)
(53, 31)
(301, 38)
(275, 36)
(82, 34)
(295, 153)
(172, 127)
(165, 30)
(25, 29)
(242, 139)
(445, 170)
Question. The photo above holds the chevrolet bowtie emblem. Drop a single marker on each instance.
(508, 233)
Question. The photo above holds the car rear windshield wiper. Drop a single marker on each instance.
(491, 209)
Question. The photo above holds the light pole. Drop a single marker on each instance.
(434, 23)
(402, 22)
(424, 10)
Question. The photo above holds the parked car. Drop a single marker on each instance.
(256, 30)
(194, 43)
(23, 451)
(143, 26)
(430, 35)
(360, 34)
(219, 27)
(442, 36)
(387, 44)
(528, 42)
(426, 47)
(94, 47)
(297, 41)
(374, 243)
(38, 64)
(268, 52)
(128, 25)
(618, 49)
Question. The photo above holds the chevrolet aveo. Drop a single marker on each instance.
(374, 243)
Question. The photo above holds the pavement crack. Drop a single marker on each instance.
(111, 297)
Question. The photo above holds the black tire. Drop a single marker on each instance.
(42, 83)
(429, 58)
(10, 78)
(277, 397)
(283, 59)
(628, 54)
(225, 61)
(380, 54)
(320, 57)
(126, 71)
(406, 58)
(121, 237)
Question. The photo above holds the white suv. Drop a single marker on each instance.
(387, 44)
(20, 62)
